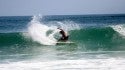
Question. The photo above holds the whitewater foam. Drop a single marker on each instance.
(119, 28)
(37, 31)
(88, 64)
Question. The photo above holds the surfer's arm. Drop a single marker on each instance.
(60, 29)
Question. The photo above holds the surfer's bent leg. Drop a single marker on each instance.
(64, 38)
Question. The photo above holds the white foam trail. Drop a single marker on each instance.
(37, 31)
(87, 64)
(120, 29)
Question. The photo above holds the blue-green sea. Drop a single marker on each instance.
(30, 42)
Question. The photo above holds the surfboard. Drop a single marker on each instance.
(67, 42)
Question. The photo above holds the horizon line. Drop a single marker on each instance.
(64, 15)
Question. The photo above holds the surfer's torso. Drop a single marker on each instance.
(64, 35)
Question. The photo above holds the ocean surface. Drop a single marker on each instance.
(29, 42)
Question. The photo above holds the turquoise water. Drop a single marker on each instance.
(99, 42)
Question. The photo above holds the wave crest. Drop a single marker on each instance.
(38, 32)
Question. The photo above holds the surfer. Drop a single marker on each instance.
(64, 35)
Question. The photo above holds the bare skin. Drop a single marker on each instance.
(64, 35)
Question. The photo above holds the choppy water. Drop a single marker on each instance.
(29, 43)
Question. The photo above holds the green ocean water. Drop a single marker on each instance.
(99, 43)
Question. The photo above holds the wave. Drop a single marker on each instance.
(91, 38)
(111, 37)
(8, 39)
(37, 31)
(120, 29)
(46, 34)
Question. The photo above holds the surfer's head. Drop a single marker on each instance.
(58, 28)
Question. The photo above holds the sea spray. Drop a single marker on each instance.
(37, 31)
(96, 48)
(69, 25)
(119, 28)
(85, 34)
